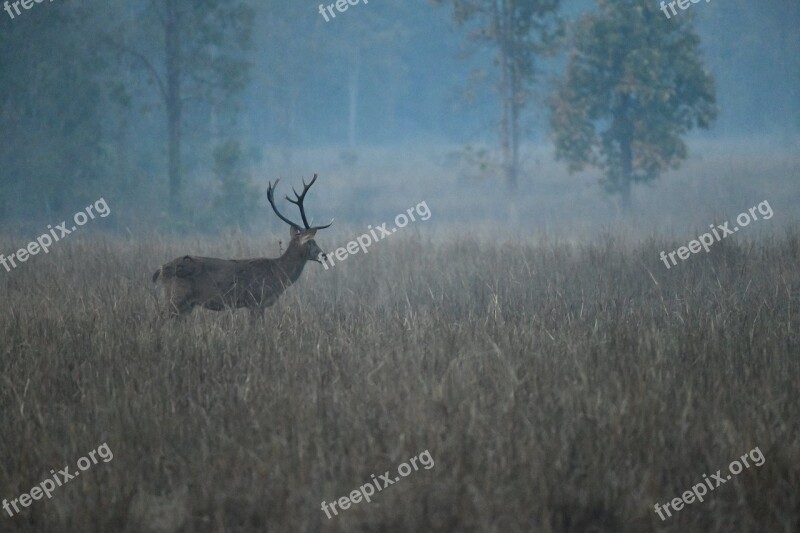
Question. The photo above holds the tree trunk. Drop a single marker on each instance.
(626, 153)
(173, 104)
(513, 173)
(625, 193)
(505, 123)
(353, 100)
(624, 129)
(509, 123)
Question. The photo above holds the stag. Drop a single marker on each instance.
(217, 284)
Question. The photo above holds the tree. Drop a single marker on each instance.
(196, 55)
(238, 198)
(356, 54)
(634, 84)
(520, 30)
(54, 86)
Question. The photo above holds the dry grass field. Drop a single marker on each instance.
(558, 388)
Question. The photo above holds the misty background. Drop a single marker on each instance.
(390, 103)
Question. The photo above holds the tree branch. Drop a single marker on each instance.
(143, 59)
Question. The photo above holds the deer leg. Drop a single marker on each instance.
(183, 307)
(256, 313)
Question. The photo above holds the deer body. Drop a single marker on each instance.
(256, 284)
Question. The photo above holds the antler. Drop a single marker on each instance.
(301, 197)
(271, 198)
(298, 202)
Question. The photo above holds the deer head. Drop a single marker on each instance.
(301, 238)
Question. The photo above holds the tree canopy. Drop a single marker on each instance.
(634, 85)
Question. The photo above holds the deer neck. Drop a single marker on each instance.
(292, 262)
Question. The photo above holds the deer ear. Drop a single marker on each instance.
(294, 232)
(306, 236)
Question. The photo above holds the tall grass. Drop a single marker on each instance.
(559, 388)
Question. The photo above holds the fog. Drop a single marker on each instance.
(390, 102)
(587, 306)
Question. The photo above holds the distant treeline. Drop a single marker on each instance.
(135, 99)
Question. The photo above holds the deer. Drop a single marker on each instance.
(256, 284)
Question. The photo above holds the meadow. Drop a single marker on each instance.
(559, 387)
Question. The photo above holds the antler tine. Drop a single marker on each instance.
(271, 198)
(299, 203)
(328, 225)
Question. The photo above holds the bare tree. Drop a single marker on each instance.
(521, 31)
(195, 54)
